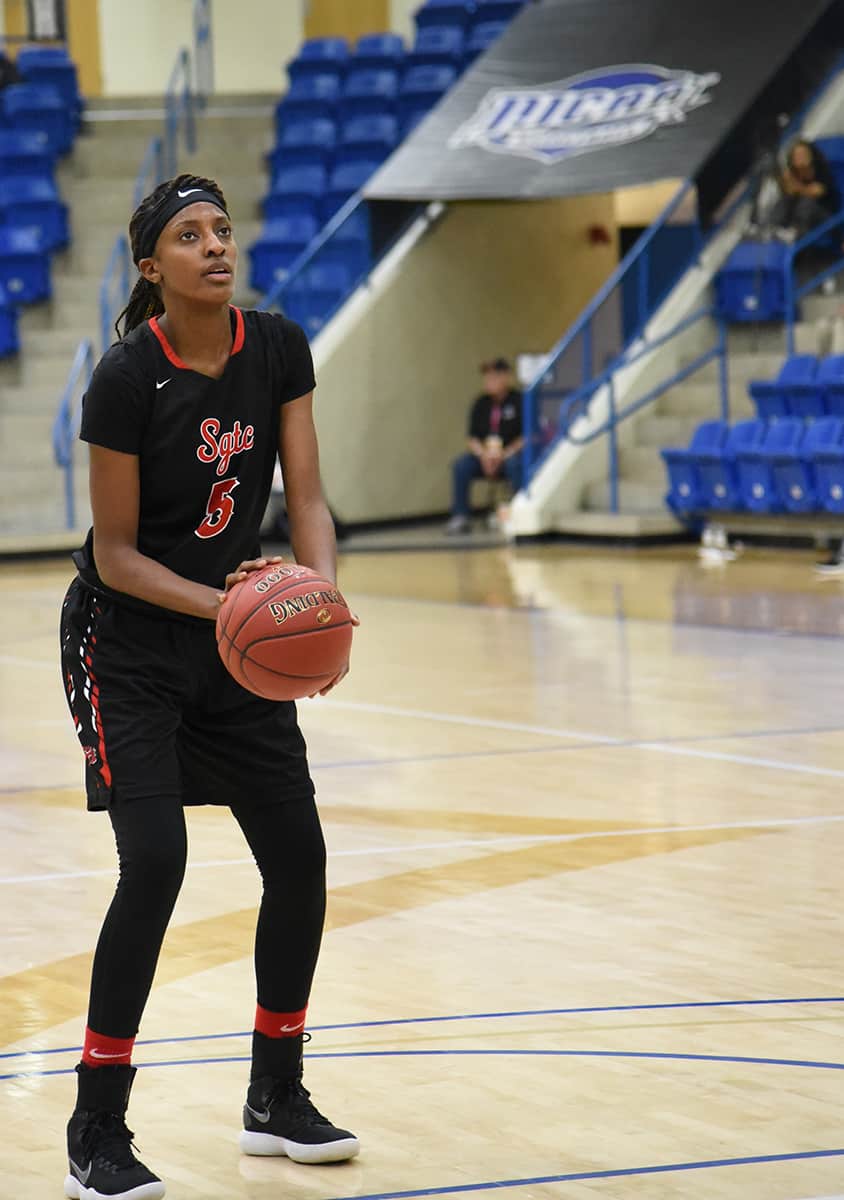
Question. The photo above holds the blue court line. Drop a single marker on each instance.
(482, 1016)
(477, 1053)
(617, 1173)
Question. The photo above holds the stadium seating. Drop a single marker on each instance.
(684, 494)
(793, 389)
(296, 191)
(9, 341)
(436, 46)
(50, 66)
(343, 182)
(26, 153)
(280, 244)
(29, 106)
(480, 38)
(370, 93)
(315, 294)
(751, 284)
(445, 12)
(828, 465)
(420, 90)
(757, 482)
(377, 52)
(495, 10)
(35, 204)
(304, 144)
(307, 99)
(795, 475)
(367, 138)
(320, 56)
(718, 467)
(830, 383)
(24, 266)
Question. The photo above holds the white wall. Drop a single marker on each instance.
(252, 41)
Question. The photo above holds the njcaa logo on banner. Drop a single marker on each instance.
(600, 109)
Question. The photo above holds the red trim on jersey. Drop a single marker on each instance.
(279, 1024)
(172, 356)
(102, 1051)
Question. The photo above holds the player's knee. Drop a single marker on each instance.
(158, 865)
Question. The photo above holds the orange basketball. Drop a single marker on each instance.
(284, 632)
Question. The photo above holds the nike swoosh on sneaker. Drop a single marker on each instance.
(263, 1117)
(292, 1028)
(82, 1176)
(161, 384)
(99, 1054)
(189, 192)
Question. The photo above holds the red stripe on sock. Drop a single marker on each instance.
(102, 1051)
(279, 1024)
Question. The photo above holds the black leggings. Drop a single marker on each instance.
(287, 843)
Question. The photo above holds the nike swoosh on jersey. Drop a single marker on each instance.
(189, 192)
(82, 1176)
(263, 1117)
(99, 1054)
(163, 383)
(292, 1028)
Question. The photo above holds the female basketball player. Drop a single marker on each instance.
(184, 417)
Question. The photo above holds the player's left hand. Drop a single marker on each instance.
(245, 568)
(341, 675)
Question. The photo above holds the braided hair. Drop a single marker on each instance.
(145, 300)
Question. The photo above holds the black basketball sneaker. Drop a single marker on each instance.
(102, 1163)
(279, 1118)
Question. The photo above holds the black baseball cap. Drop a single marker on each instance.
(495, 364)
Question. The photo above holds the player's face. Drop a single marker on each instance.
(195, 256)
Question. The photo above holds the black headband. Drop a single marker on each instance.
(178, 199)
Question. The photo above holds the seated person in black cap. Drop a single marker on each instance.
(495, 441)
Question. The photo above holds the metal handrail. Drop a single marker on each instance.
(580, 398)
(203, 52)
(116, 273)
(179, 109)
(313, 247)
(67, 419)
(793, 293)
(151, 170)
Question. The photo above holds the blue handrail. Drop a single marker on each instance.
(273, 296)
(66, 423)
(114, 289)
(151, 170)
(203, 52)
(179, 109)
(577, 404)
(795, 293)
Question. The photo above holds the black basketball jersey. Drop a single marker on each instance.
(207, 447)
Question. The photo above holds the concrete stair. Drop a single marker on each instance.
(97, 182)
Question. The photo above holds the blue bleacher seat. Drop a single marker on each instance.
(50, 66)
(481, 37)
(378, 51)
(24, 266)
(295, 191)
(373, 138)
(717, 469)
(29, 106)
(369, 93)
(303, 144)
(420, 90)
(343, 182)
(827, 458)
(320, 56)
(684, 493)
(35, 204)
(308, 99)
(279, 245)
(23, 153)
(751, 284)
(794, 469)
(444, 12)
(757, 482)
(350, 244)
(830, 382)
(437, 45)
(495, 10)
(313, 297)
(9, 340)
(793, 389)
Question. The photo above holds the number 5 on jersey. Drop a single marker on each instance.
(220, 508)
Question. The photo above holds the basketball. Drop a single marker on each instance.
(284, 632)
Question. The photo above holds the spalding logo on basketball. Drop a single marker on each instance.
(284, 632)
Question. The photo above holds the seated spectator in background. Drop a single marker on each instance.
(495, 440)
(809, 195)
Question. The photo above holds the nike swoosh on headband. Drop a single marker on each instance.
(189, 192)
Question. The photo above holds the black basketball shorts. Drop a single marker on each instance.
(157, 713)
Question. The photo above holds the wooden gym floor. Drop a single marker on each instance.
(586, 836)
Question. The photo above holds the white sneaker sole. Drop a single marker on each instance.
(74, 1190)
(268, 1145)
